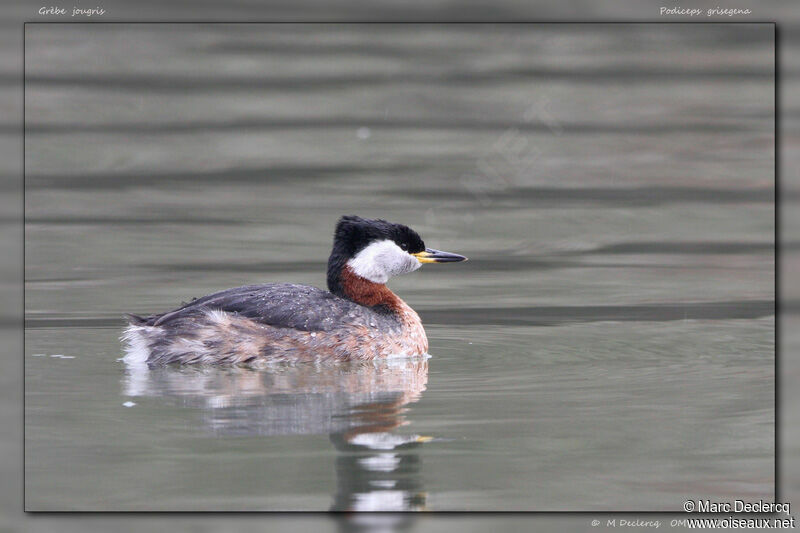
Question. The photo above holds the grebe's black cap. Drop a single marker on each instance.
(354, 233)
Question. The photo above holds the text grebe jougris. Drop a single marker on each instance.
(359, 319)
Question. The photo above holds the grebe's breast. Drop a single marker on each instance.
(411, 338)
(276, 322)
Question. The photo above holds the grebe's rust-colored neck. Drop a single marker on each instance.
(366, 292)
(411, 339)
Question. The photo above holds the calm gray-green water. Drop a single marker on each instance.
(609, 345)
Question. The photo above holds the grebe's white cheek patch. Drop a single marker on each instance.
(381, 260)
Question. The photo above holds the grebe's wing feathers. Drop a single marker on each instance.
(286, 305)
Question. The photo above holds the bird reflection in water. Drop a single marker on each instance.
(358, 404)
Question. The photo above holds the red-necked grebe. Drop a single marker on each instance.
(359, 319)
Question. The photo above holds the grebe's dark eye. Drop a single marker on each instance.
(404, 246)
